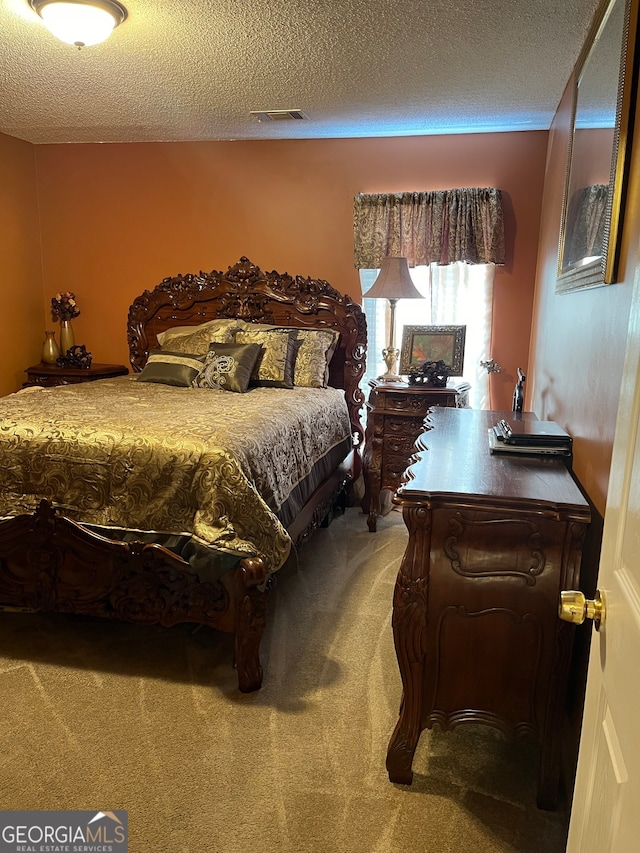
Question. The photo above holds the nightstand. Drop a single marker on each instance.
(395, 418)
(50, 375)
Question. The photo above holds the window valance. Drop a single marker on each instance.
(441, 226)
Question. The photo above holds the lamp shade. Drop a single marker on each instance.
(393, 281)
(80, 22)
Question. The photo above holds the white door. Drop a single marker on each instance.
(606, 806)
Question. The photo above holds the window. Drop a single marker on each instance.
(458, 294)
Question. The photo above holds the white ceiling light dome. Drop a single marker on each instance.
(80, 22)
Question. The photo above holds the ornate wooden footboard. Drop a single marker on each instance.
(50, 563)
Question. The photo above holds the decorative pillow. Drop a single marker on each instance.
(316, 348)
(198, 340)
(247, 326)
(217, 325)
(227, 367)
(274, 367)
(171, 368)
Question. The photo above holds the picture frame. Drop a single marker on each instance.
(597, 171)
(432, 343)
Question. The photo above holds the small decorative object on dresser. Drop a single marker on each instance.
(395, 418)
(433, 373)
(65, 308)
(76, 357)
(518, 394)
(67, 336)
(50, 348)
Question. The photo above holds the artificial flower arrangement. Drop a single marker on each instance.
(63, 306)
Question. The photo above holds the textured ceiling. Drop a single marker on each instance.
(194, 69)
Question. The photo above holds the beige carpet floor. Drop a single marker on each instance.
(106, 716)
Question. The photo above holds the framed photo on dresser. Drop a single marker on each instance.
(432, 343)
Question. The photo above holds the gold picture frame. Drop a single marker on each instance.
(432, 343)
(598, 159)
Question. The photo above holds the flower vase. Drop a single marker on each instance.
(67, 339)
(50, 348)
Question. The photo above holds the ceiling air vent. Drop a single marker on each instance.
(278, 115)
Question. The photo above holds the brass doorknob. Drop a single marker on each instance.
(575, 608)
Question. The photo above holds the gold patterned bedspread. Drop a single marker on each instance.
(152, 457)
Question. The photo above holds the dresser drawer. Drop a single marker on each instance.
(403, 426)
(393, 468)
(399, 444)
(409, 404)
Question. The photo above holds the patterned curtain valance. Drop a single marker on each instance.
(440, 227)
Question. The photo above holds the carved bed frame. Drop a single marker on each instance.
(48, 562)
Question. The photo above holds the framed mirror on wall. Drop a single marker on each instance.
(598, 161)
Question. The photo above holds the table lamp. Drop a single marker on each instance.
(393, 283)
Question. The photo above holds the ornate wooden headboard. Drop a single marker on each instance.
(246, 292)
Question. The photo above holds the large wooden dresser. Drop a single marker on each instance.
(493, 539)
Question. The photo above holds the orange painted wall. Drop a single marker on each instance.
(21, 322)
(579, 338)
(117, 218)
(593, 164)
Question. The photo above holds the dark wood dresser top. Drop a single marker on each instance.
(454, 463)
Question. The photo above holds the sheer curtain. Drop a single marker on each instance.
(457, 294)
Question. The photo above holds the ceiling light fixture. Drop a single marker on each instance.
(80, 22)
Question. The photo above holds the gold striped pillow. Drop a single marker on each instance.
(171, 368)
